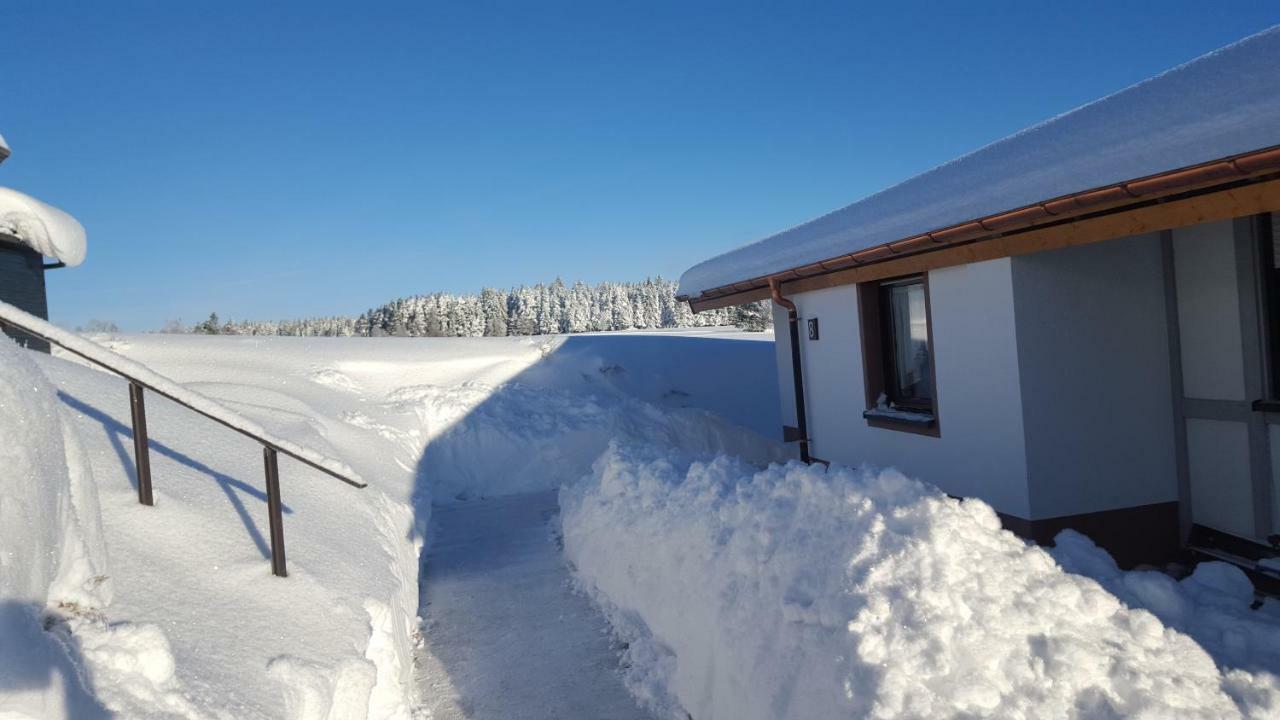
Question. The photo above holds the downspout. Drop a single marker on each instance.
(797, 374)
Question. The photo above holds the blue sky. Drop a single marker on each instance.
(271, 160)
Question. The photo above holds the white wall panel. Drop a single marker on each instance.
(1209, 312)
(1221, 486)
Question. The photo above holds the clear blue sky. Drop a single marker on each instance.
(271, 160)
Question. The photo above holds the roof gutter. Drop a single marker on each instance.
(1227, 170)
(797, 373)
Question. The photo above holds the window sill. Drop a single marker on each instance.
(903, 420)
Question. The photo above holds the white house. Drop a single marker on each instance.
(1079, 324)
(30, 231)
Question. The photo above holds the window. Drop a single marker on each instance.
(898, 354)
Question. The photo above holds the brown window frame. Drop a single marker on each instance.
(877, 359)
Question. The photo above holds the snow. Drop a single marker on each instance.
(44, 228)
(1224, 103)
(51, 546)
(793, 591)
(149, 378)
(716, 582)
(508, 636)
(197, 626)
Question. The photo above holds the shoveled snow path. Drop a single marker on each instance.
(507, 638)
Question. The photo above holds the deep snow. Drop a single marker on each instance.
(42, 227)
(1224, 103)
(204, 630)
(800, 592)
(731, 590)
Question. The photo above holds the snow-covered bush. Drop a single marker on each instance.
(800, 592)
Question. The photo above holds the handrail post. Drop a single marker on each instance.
(141, 451)
(274, 518)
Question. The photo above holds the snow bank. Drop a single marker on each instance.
(59, 655)
(44, 228)
(335, 638)
(799, 592)
(1224, 103)
(51, 547)
(1213, 605)
(518, 438)
(99, 354)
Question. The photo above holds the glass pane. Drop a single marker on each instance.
(909, 326)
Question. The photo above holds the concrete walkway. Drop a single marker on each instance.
(506, 637)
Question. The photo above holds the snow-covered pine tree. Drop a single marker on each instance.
(526, 310)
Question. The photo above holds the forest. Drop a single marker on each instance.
(541, 309)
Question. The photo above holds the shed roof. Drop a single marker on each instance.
(1221, 105)
(44, 228)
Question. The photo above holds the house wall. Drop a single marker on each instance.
(1093, 356)
(22, 285)
(1107, 387)
(980, 450)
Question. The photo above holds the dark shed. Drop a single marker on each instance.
(22, 285)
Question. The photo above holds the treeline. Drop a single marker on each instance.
(541, 309)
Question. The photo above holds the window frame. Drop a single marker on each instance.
(878, 360)
(1268, 275)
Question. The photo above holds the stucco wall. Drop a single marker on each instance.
(1209, 312)
(1093, 352)
(980, 450)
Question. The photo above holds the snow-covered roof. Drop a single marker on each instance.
(46, 229)
(1222, 104)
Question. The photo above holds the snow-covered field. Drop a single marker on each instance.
(733, 588)
(196, 625)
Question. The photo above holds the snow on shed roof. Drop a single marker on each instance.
(1222, 104)
(44, 228)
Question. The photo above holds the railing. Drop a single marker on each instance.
(38, 328)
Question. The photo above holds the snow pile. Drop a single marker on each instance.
(44, 228)
(335, 638)
(151, 379)
(799, 592)
(1213, 605)
(518, 438)
(54, 573)
(1222, 104)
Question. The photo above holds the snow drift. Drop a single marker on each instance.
(58, 655)
(799, 592)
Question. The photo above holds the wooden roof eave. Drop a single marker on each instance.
(1241, 184)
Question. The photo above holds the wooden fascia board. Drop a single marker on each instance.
(1222, 205)
(724, 301)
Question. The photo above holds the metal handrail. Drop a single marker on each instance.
(142, 455)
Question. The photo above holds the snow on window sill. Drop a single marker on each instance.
(906, 417)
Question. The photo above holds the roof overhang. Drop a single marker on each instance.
(1229, 187)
